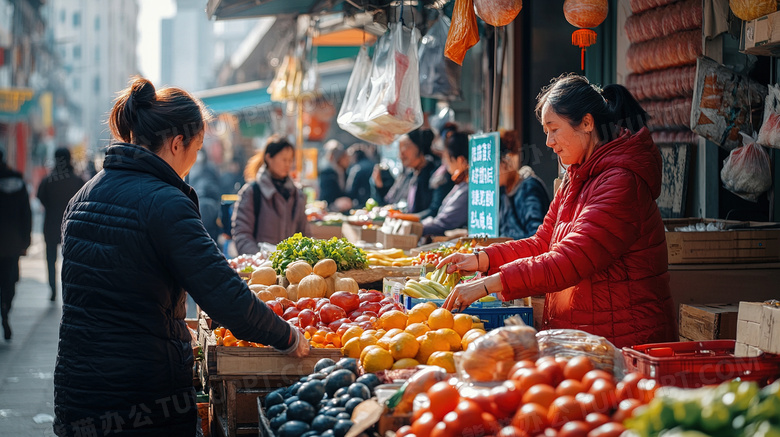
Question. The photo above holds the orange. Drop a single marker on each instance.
(440, 318)
(430, 343)
(417, 329)
(365, 351)
(417, 314)
(392, 319)
(445, 360)
(404, 345)
(462, 323)
(405, 363)
(366, 340)
(452, 338)
(355, 331)
(351, 348)
(377, 359)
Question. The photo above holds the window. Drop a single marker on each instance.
(96, 84)
(76, 84)
(97, 53)
(76, 19)
(97, 23)
(77, 52)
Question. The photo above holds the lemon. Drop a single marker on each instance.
(440, 318)
(352, 348)
(404, 345)
(392, 319)
(405, 363)
(445, 360)
(377, 359)
(452, 338)
(355, 331)
(461, 323)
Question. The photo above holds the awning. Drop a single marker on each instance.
(228, 9)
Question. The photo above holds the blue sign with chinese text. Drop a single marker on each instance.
(483, 184)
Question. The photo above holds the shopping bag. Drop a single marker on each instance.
(769, 135)
(746, 171)
(439, 76)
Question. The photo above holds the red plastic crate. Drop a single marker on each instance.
(696, 363)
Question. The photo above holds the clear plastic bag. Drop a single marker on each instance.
(491, 356)
(439, 76)
(746, 171)
(568, 343)
(769, 135)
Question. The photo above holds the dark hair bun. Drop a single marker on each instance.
(142, 94)
(422, 138)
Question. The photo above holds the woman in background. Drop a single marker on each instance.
(412, 185)
(453, 213)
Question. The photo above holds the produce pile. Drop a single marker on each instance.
(299, 248)
(389, 257)
(432, 257)
(436, 285)
(247, 263)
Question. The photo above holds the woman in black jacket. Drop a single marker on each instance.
(133, 242)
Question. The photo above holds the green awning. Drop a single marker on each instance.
(236, 98)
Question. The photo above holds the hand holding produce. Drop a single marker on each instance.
(465, 294)
(460, 262)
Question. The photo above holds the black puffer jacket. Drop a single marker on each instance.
(132, 243)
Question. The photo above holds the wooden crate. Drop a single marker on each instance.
(234, 404)
(355, 233)
(738, 242)
(397, 241)
(708, 322)
(325, 232)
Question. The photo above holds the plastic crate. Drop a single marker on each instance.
(409, 302)
(694, 364)
(494, 317)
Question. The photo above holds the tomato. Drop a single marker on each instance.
(587, 402)
(647, 389)
(625, 409)
(550, 432)
(337, 324)
(541, 394)
(512, 431)
(595, 420)
(306, 303)
(291, 312)
(577, 367)
(627, 388)
(386, 308)
(531, 418)
(418, 412)
(275, 306)
(330, 313)
(552, 370)
(528, 378)
(441, 430)
(469, 415)
(611, 429)
(423, 426)
(345, 300)
(576, 428)
(507, 398)
(594, 375)
(564, 409)
(404, 431)
(374, 307)
(320, 303)
(307, 317)
(444, 398)
(570, 387)
(603, 392)
(482, 397)
(489, 425)
(370, 297)
(524, 364)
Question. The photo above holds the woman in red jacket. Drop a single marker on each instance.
(600, 256)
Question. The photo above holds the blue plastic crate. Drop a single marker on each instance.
(494, 317)
(409, 302)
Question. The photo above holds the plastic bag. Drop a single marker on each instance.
(420, 382)
(464, 33)
(491, 356)
(439, 77)
(769, 135)
(746, 171)
(567, 343)
(356, 98)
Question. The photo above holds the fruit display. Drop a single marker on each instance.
(433, 256)
(320, 404)
(344, 254)
(733, 408)
(389, 257)
(248, 263)
(437, 286)
(492, 357)
(566, 343)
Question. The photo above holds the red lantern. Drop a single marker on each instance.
(584, 14)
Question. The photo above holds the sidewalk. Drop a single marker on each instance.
(27, 362)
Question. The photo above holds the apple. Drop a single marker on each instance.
(329, 313)
(345, 300)
(307, 317)
(291, 312)
(286, 303)
(374, 307)
(337, 324)
(306, 303)
(370, 297)
(275, 306)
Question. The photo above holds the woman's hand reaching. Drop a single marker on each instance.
(460, 262)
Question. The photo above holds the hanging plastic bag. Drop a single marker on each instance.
(439, 76)
(464, 33)
(769, 135)
(746, 171)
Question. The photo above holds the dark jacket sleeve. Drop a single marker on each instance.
(329, 186)
(531, 203)
(26, 213)
(195, 262)
(244, 221)
(437, 197)
(453, 213)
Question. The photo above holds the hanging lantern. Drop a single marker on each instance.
(584, 14)
(498, 12)
(751, 9)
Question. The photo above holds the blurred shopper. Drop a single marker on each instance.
(453, 213)
(270, 207)
(15, 235)
(441, 180)
(524, 199)
(54, 192)
(133, 242)
(359, 175)
(204, 178)
(333, 177)
(412, 185)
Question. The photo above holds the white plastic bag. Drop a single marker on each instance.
(769, 135)
(439, 76)
(746, 171)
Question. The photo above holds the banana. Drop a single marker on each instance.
(422, 290)
(411, 292)
(441, 290)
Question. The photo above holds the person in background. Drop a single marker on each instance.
(133, 242)
(359, 177)
(15, 235)
(600, 255)
(204, 179)
(524, 199)
(333, 177)
(54, 192)
(270, 207)
(412, 186)
(441, 180)
(453, 213)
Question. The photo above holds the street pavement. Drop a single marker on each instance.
(27, 361)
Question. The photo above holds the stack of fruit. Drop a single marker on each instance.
(548, 397)
(437, 286)
(320, 404)
(424, 335)
(389, 257)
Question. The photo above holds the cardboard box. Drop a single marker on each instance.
(748, 332)
(402, 227)
(396, 241)
(355, 233)
(738, 242)
(325, 232)
(708, 322)
(762, 36)
(745, 350)
(759, 326)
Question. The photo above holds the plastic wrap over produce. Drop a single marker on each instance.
(491, 356)
(769, 135)
(568, 343)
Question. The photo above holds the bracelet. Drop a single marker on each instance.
(487, 292)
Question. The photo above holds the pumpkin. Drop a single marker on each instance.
(331, 282)
(292, 292)
(297, 271)
(498, 12)
(347, 284)
(265, 295)
(585, 13)
(257, 287)
(312, 286)
(263, 276)
(278, 291)
(325, 267)
(751, 9)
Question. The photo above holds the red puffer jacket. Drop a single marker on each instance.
(600, 254)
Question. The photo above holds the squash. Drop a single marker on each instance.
(292, 292)
(296, 271)
(312, 286)
(263, 276)
(347, 284)
(265, 295)
(257, 287)
(325, 267)
(331, 282)
(278, 291)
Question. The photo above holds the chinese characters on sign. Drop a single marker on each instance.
(483, 184)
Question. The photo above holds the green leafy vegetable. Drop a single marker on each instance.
(298, 247)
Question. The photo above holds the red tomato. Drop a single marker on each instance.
(424, 425)
(525, 364)
(337, 324)
(531, 418)
(482, 397)
(307, 317)
(587, 402)
(386, 308)
(404, 431)
(355, 314)
(416, 414)
(291, 312)
(611, 429)
(442, 430)
(627, 388)
(625, 409)
(569, 387)
(444, 398)
(545, 359)
(469, 415)
(306, 303)
(577, 367)
(564, 409)
(576, 428)
(370, 297)
(603, 392)
(490, 425)
(286, 303)
(550, 432)
(512, 431)
(374, 307)
(541, 394)
(329, 313)
(594, 375)
(647, 389)
(345, 300)
(275, 306)
(552, 370)
(387, 301)
(507, 398)
(529, 378)
(595, 420)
